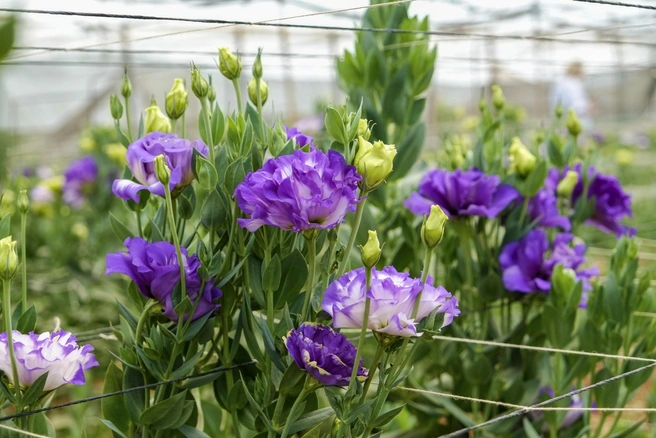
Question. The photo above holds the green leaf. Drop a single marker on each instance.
(271, 275)
(34, 391)
(5, 226)
(27, 321)
(479, 370)
(205, 172)
(606, 395)
(134, 400)
(234, 175)
(294, 273)
(192, 432)
(42, 426)
(311, 419)
(529, 429)
(386, 417)
(335, 124)
(212, 214)
(554, 149)
(628, 432)
(218, 125)
(557, 327)
(203, 128)
(408, 151)
(270, 347)
(120, 230)
(113, 408)
(7, 35)
(256, 407)
(163, 410)
(535, 180)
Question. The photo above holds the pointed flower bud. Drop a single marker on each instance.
(126, 88)
(176, 100)
(229, 64)
(23, 202)
(363, 129)
(198, 84)
(374, 162)
(211, 92)
(115, 107)
(371, 250)
(432, 230)
(162, 170)
(567, 184)
(257, 65)
(498, 99)
(573, 123)
(252, 91)
(558, 111)
(156, 121)
(8, 258)
(522, 161)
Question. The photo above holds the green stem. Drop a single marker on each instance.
(363, 330)
(309, 289)
(259, 108)
(6, 310)
(597, 433)
(522, 216)
(139, 227)
(235, 83)
(292, 414)
(127, 117)
(176, 240)
(174, 125)
(206, 116)
(354, 232)
(372, 372)
(142, 321)
(623, 401)
(280, 404)
(23, 262)
(183, 126)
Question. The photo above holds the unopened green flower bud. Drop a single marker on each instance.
(8, 259)
(539, 137)
(198, 84)
(229, 64)
(482, 105)
(374, 162)
(522, 161)
(211, 92)
(567, 184)
(126, 88)
(573, 123)
(257, 65)
(432, 230)
(162, 170)
(497, 97)
(115, 107)
(558, 111)
(363, 129)
(156, 120)
(177, 99)
(371, 250)
(23, 202)
(252, 91)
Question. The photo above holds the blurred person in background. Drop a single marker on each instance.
(570, 92)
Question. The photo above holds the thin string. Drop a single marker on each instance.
(124, 391)
(543, 349)
(522, 411)
(614, 3)
(21, 432)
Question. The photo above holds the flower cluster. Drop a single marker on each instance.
(393, 296)
(298, 192)
(461, 193)
(77, 178)
(141, 156)
(57, 354)
(155, 270)
(327, 356)
(528, 264)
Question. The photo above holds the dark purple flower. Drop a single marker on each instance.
(543, 207)
(461, 193)
(57, 354)
(77, 178)
(299, 191)
(327, 356)
(141, 159)
(300, 138)
(527, 265)
(155, 270)
(611, 203)
(392, 299)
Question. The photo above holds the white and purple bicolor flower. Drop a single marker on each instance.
(56, 353)
(141, 156)
(392, 298)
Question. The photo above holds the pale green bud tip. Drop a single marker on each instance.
(559, 111)
(567, 184)
(156, 121)
(374, 162)
(126, 87)
(432, 230)
(23, 202)
(177, 99)
(371, 250)
(363, 129)
(229, 64)
(573, 123)
(115, 107)
(198, 84)
(252, 91)
(522, 161)
(162, 170)
(498, 99)
(8, 258)
(257, 65)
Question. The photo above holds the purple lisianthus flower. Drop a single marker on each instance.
(54, 353)
(141, 159)
(461, 193)
(299, 191)
(528, 264)
(300, 138)
(155, 270)
(392, 298)
(327, 356)
(77, 177)
(543, 208)
(612, 204)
